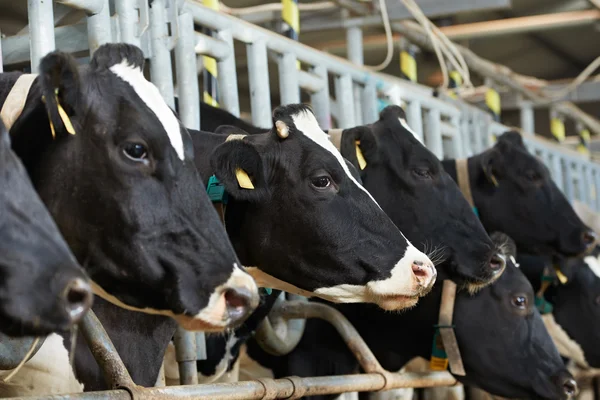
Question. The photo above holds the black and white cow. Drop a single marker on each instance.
(42, 288)
(514, 193)
(116, 169)
(504, 345)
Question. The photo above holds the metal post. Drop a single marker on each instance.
(187, 80)
(185, 354)
(369, 103)
(260, 92)
(99, 28)
(227, 76)
(588, 181)
(288, 79)
(320, 100)
(557, 171)
(128, 21)
(161, 70)
(211, 92)
(433, 133)
(527, 117)
(1, 62)
(345, 100)
(415, 118)
(354, 44)
(41, 30)
(568, 180)
(597, 187)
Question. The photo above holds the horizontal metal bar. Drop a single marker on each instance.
(310, 82)
(213, 47)
(91, 7)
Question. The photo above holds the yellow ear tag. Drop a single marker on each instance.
(494, 181)
(243, 179)
(362, 163)
(561, 277)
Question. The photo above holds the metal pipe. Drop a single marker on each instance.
(288, 79)
(210, 46)
(161, 70)
(369, 107)
(41, 30)
(227, 75)
(527, 117)
(597, 187)
(345, 100)
(320, 99)
(186, 68)
(13, 350)
(568, 180)
(99, 27)
(185, 354)
(258, 74)
(415, 118)
(128, 21)
(433, 133)
(266, 333)
(310, 81)
(354, 45)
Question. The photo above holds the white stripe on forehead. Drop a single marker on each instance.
(150, 95)
(594, 264)
(408, 128)
(306, 123)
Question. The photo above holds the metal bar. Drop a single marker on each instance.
(185, 354)
(345, 100)
(288, 79)
(320, 99)
(588, 181)
(310, 82)
(597, 188)
(433, 135)
(369, 110)
(527, 117)
(41, 30)
(355, 55)
(415, 118)
(186, 68)
(227, 76)
(258, 74)
(128, 21)
(210, 46)
(568, 186)
(99, 27)
(161, 70)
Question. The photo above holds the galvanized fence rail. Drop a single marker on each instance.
(165, 29)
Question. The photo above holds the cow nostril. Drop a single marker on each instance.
(497, 263)
(570, 387)
(78, 298)
(589, 238)
(238, 303)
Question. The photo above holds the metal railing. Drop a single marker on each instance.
(165, 28)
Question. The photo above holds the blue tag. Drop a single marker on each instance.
(268, 290)
(216, 190)
(476, 211)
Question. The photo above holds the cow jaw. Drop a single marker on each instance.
(214, 317)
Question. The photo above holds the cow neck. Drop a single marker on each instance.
(549, 276)
(445, 351)
(15, 100)
(464, 183)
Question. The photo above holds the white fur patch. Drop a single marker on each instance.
(47, 373)
(307, 124)
(150, 95)
(594, 264)
(408, 128)
(565, 345)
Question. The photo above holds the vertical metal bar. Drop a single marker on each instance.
(227, 77)
(320, 100)
(288, 79)
(597, 187)
(1, 62)
(161, 70)
(99, 28)
(41, 30)
(186, 67)
(433, 133)
(369, 103)
(354, 44)
(345, 100)
(527, 117)
(260, 91)
(211, 90)
(568, 179)
(415, 117)
(185, 354)
(557, 171)
(128, 21)
(457, 139)
(588, 181)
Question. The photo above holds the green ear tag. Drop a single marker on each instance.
(439, 358)
(268, 290)
(476, 211)
(542, 305)
(216, 190)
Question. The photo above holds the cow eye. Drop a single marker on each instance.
(422, 173)
(519, 302)
(321, 182)
(135, 151)
(532, 176)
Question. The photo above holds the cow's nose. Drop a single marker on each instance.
(569, 387)
(239, 303)
(78, 299)
(425, 273)
(589, 238)
(497, 263)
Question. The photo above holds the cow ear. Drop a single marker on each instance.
(511, 137)
(230, 130)
(238, 164)
(490, 164)
(358, 145)
(60, 85)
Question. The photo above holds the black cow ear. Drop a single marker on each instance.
(511, 137)
(111, 54)
(60, 85)
(238, 164)
(490, 164)
(230, 130)
(358, 145)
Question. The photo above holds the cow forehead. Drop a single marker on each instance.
(408, 128)
(150, 95)
(307, 124)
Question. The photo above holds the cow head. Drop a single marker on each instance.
(309, 222)
(506, 348)
(515, 193)
(122, 186)
(42, 288)
(411, 186)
